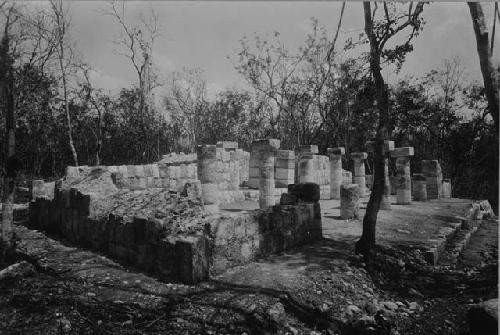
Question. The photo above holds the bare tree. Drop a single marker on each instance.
(136, 43)
(65, 58)
(99, 103)
(186, 99)
(490, 80)
(393, 20)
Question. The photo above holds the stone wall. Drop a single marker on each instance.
(171, 173)
(167, 233)
(239, 239)
(157, 230)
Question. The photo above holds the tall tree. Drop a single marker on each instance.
(11, 163)
(395, 18)
(64, 57)
(136, 43)
(485, 53)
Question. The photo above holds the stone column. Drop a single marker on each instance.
(446, 188)
(207, 174)
(433, 178)
(306, 172)
(285, 168)
(403, 185)
(335, 171)
(265, 152)
(306, 168)
(349, 201)
(419, 187)
(359, 171)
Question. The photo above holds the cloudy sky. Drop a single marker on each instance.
(203, 34)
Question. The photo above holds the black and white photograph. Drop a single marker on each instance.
(249, 167)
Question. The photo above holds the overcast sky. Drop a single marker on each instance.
(203, 34)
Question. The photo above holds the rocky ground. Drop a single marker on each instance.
(318, 289)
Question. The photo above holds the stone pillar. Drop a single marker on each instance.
(305, 169)
(266, 152)
(37, 189)
(385, 203)
(207, 174)
(359, 171)
(253, 170)
(446, 188)
(349, 201)
(285, 168)
(309, 149)
(419, 187)
(433, 178)
(403, 185)
(335, 171)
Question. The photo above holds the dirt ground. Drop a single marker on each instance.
(317, 289)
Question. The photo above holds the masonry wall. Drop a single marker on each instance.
(119, 223)
(239, 239)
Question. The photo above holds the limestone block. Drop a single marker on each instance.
(308, 149)
(139, 171)
(266, 145)
(131, 171)
(446, 188)
(150, 182)
(173, 186)
(72, 172)
(359, 155)
(113, 168)
(163, 170)
(305, 192)
(192, 259)
(349, 201)
(37, 189)
(157, 182)
(402, 152)
(228, 145)
(123, 169)
(346, 177)
(285, 164)
(148, 170)
(336, 151)
(286, 174)
(210, 193)
(285, 154)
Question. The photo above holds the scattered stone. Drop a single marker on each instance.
(17, 270)
(277, 312)
(64, 326)
(352, 309)
(413, 306)
(390, 305)
(364, 322)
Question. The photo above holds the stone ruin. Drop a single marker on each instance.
(165, 218)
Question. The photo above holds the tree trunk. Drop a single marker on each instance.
(367, 240)
(483, 50)
(66, 107)
(11, 165)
